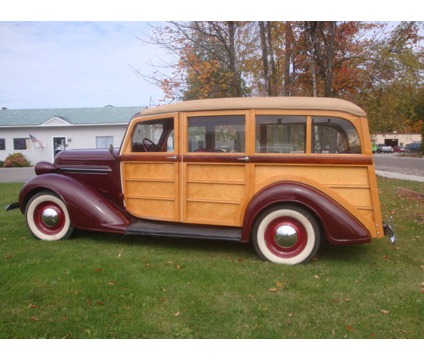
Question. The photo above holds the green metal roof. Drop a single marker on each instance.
(74, 116)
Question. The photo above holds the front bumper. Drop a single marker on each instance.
(12, 206)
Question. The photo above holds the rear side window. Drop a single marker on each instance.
(218, 134)
(334, 136)
(280, 134)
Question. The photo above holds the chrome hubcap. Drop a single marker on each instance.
(50, 217)
(286, 236)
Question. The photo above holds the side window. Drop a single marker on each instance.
(21, 144)
(334, 136)
(216, 134)
(153, 136)
(280, 134)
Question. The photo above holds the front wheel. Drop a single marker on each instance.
(286, 234)
(47, 217)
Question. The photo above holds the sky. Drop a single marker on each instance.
(75, 64)
(61, 54)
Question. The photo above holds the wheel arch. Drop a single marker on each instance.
(87, 207)
(335, 221)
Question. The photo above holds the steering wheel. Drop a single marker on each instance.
(149, 145)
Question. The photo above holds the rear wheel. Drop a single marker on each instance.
(47, 217)
(286, 234)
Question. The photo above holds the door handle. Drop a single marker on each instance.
(245, 159)
(171, 157)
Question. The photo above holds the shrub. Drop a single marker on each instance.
(16, 160)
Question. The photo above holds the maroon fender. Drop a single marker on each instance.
(88, 208)
(339, 225)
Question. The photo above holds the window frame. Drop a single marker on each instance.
(258, 136)
(354, 120)
(344, 134)
(27, 144)
(104, 137)
(163, 141)
(185, 125)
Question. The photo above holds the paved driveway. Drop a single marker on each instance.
(16, 174)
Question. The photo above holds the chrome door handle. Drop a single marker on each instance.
(171, 157)
(245, 158)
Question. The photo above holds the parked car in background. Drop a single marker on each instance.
(399, 149)
(382, 148)
(373, 148)
(284, 173)
(413, 148)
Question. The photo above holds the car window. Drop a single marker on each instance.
(280, 134)
(334, 136)
(153, 136)
(218, 134)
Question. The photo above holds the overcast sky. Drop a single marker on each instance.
(65, 63)
(74, 64)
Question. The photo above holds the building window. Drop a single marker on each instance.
(2, 144)
(21, 144)
(104, 142)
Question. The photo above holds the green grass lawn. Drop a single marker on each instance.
(107, 286)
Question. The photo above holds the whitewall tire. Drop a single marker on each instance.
(286, 234)
(47, 217)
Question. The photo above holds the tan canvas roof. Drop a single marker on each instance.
(291, 103)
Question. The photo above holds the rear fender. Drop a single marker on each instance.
(339, 225)
(87, 207)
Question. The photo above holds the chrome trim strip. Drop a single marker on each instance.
(86, 170)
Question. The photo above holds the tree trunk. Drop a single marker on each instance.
(273, 80)
(264, 48)
(236, 82)
(288, 40)
(328, 81)
(312, 29)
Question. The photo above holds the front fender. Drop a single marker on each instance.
(87, 207)
(339, 225)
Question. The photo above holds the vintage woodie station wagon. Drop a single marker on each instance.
(282, 172)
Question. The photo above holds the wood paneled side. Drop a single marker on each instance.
(215, 193)
(151, 190)
(350, 183)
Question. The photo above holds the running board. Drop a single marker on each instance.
(151, 228)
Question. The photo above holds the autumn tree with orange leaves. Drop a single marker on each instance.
(376, 65)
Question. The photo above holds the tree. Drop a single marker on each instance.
(208, 59)
(393, 79)
(372, 64)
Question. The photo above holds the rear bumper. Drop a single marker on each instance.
(388, 230)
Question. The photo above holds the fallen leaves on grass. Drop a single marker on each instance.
(276, 289)
(385, 312)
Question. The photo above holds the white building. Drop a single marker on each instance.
(40, 133)
(395, 139)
